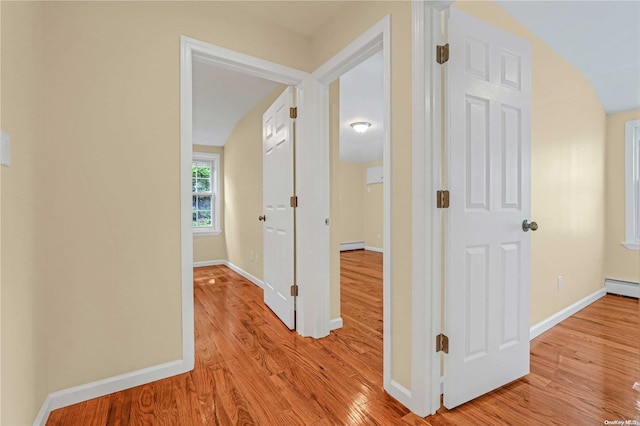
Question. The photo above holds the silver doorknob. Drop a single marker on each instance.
(526, 226)
(262, 218)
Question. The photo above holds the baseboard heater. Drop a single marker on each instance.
(622, 288)
(356, 245)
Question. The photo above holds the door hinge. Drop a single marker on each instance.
(293, 112)
(442, 343)
(294, 201)
(294, 290)
(443, 199)
(442, 53)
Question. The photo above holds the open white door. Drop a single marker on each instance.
(278, 214)
(488, 252)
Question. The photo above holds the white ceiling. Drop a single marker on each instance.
(361, 99)
(220, 99)
(601, 39)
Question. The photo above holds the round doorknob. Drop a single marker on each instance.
(262, 218)
(526, 226)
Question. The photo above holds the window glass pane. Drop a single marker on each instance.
(194, 203)
(201, 169)
(204, 218)
(194, 220)
(204, 172)
(193, 185)
(204, 203)
(203, 185)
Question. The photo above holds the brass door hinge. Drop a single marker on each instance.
(442, 53)
(443, 199)
(294, 290)
(442, 343)
(293, 112)
(294, 201)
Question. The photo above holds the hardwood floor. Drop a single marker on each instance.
(251, 370)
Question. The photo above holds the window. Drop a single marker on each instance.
(632, 185)
(205, 186)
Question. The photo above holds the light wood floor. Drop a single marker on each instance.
(251, 370)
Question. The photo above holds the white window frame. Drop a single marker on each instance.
(214, 229)
(632, 185)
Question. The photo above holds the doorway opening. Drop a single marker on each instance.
(376, 41)
(356, 120)
(208, 66)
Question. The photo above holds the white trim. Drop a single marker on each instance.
(43, 414)
(76, 394)
(426, 219)
(622, 288)
(356, 245)
(376, 39)
(400, 393)
(244, 273)
(313, 275)
(234, 268)
(209, 263)
(335, 323)
(214, 159)
(558, 317)
(376, 249)
(204, 232)
(631, 246)
(631, 176)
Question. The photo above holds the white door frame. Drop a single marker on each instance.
(426, 218)
(376, 39)
(231, 60)
(312, 180)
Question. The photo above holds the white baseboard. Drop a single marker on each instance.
(335, 324)
(356, 245)
(622, 288)
(74, 395)
(244, 273)
(399, 392)
(546, 324)
(376, 249)
(209, 263)
(43, 414)
(231, 266)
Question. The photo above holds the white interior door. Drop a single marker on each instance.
(488, 253)
(278, 215)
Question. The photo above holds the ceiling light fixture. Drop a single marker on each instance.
(360, 126)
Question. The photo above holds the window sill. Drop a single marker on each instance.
(631, 246)
(205, 232)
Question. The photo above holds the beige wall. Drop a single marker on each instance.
(243, 189)
(568, 141)
(353, 20)
(24, 215)
(619, 262)
(111, 103)
(350, 184)
(372, 210)
(212, 247)
(113, 117)
(359, 214)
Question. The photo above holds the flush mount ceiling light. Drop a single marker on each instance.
(360, 126)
